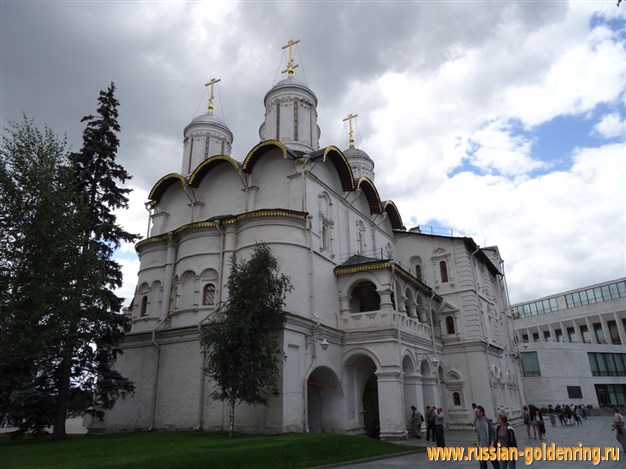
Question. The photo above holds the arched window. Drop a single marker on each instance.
(144, 306)
(450, 325)
(418, 272)
(443, 269)
(456, 398)
(365, 298)
(208, 294)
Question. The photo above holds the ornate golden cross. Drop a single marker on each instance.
(290, 65)
(212, 84)
(350, 135)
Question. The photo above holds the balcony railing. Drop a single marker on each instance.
(384, 319)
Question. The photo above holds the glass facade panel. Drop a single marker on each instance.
(593, 363)
(584, 331)
(590, 296)
(606, 293)
(530, 364)
(597, 328)
(613, 332)
(576, 299)
(607, 364)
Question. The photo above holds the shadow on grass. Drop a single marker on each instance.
(191, 450)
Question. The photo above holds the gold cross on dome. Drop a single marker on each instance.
(290, 65)
(211, 97)
(350, 135)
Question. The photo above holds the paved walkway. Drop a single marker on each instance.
(595, 431)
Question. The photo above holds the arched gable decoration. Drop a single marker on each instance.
(162, 185)
(367, 186)
(394, 215)
(342, 166)
(207, 165)
(259, 150)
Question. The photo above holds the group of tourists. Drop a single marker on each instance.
(435, 421)
(533, 419)
(569, 414)
(489, 435)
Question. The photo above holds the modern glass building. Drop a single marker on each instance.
(573, 346)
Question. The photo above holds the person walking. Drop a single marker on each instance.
(485, 435)
(430, 423)
(526, 416)
(552, 415)
(439, 422)
(416, 422)
(618, 426)
(534, 423)
(505, 437)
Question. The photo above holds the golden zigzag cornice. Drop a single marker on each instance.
(362, 268)
(262, 213)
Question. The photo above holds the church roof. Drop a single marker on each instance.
(263, 147)
(353, 152)
(212, 120)
(291, 83)
(358, 259)
(340, 162)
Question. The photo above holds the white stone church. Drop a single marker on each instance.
(381, 317)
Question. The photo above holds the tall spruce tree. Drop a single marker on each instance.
(100, 327)
(41, 230)
(241, 344)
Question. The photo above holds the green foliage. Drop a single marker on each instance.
(60, 321)
(41, 225)
(241, 344)
(193, 450)
(99, 176)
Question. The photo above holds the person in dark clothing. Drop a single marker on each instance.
(430, 423)
(505, 436)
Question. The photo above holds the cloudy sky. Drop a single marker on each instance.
(504, 121)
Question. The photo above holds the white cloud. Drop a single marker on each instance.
(559, 229)
(589, 73)
(496, 148)
(611, 126)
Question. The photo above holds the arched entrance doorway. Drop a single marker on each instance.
(371, 417)
(324, 401)
(361, 390)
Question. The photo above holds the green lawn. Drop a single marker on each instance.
(189, 450)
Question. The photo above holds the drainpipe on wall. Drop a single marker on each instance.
(202, 378)
(395, 306)
(432, 334)
(169, 272)
(155, 386)
(220, 273)
(305, 391)
(482, 323)
(147, 205)
(520, 387)
(485, 320)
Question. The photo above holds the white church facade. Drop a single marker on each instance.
(380, 318)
